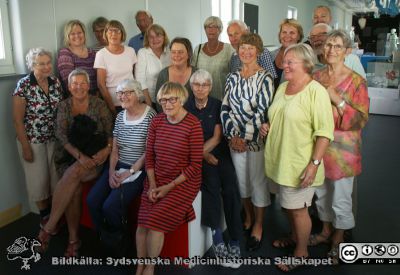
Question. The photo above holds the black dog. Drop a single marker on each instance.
(84, 136)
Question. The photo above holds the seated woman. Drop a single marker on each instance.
(67, 195)
(174, 156)
(219, 177)
(76, 55)
(129, 143)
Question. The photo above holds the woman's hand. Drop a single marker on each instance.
(264, 130)
(113, 179)
(27, 153)
(86, 162)
(237, 144)
(151, 194)
(308, 175)
(210, 158)
(101, 156)
(162, 191)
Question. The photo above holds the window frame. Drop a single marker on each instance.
(293, 11)
(7, 64)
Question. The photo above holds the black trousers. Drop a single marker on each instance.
(220, 183)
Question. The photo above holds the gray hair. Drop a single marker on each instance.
(77, 72)
(33, 54)
(240, 23)
(326, 26)
(341, 34)
(213, 20)
(145, 12)
(305, 53)
(201, 76)
(132, 85)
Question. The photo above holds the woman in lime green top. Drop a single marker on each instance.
(300, 129)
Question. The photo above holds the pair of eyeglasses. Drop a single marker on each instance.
(117, 31)
(315, 36)
(42, 65)
(336, 47)
(171, 100)
(79, 84)
(124, 93)
(201, 85)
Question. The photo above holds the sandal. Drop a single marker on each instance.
(316, 239)
(73, 249)
(334, 254)
(284, 242)
(44, 239)
(292, 264)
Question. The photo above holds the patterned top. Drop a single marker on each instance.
(97, 110)
(296, 121)
(343, 157)
(245, 106)
(217, 65)
(172, 149)
(67, 61)
(265, 60)
(131, 135)
(40, 108)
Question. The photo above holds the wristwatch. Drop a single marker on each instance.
(316, 162)
(132, 171)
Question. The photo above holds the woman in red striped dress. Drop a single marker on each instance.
(174, 156)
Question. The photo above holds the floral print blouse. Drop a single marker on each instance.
(40, 110)
(343, 156)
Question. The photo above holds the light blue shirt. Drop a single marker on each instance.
(136, 42)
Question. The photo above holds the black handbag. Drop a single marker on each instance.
(118, 241)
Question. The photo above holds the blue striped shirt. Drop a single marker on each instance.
(132, 135)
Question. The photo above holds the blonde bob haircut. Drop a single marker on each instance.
(117, 25)
(174, 89)
(295, 24)
(305, 53)
(68, 29)
(158, 30)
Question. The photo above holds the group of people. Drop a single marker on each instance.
(234, 121)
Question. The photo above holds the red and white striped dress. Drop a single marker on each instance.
(172, 149)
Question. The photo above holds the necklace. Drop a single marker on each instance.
(214, 51)
(201, 105)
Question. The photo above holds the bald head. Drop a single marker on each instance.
(322, 14)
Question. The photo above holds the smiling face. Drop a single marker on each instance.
(234, 33)
(114, 36)
(79, 87)
(128, 99)
(179, 54)
(42, 66)
(289, 35)
(171, 104)
(156, 41)
(318, 37)
(76, 37)
(334, 50)
(248, 53)
(293, 66)
(322, 15)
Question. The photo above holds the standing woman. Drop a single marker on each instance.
(290, 32)
(301, 127)
(214, 56)
(248, 94)
(180, 69)
(114, 63)
(350, 103)
(34, 102)
(76, 55)
(174, 156)
(152, 59)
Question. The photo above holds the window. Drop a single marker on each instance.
(6, 60)
(292, 12)
(223, 9)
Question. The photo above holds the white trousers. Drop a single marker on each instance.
(334, 202)
(250, 167)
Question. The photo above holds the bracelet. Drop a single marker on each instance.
(341, 104)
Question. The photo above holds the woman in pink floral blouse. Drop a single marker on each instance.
(349, 97)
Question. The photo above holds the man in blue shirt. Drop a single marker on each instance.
(143, 21)
(235, 30)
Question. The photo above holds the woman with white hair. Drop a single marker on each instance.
(35, 100)
(214, 56)
(127, 158)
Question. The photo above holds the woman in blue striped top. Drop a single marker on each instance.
(128, 151)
